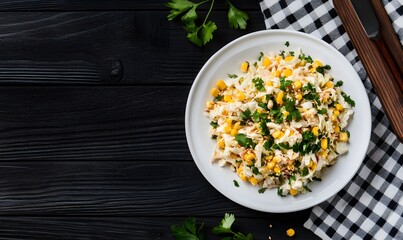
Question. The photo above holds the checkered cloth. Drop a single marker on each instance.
(371, 205)
(394, 9)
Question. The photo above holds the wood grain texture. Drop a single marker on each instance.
(109, 5)
(157, 228)
(81, 123)
(105, 48)
(382, 79)
(114, 188)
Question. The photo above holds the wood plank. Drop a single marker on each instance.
(105, 5)
(141, 227)
(113, 188)
(104, 48)
(98, 123)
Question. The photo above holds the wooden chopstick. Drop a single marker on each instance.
(381, 77)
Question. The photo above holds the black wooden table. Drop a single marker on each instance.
(92, 140)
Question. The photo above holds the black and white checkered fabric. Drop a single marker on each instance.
(371, 205)
(394, 8)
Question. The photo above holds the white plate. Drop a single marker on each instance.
(228, 60)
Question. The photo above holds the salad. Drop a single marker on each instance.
(279, 121)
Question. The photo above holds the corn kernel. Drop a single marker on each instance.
(277, 134)
(224, 112)
(242, 176)
(241, 79)
(312, 70)
(237, 125)
(286, 113)
(221, 85)
(253, 181)
(325, 98)
(310, 163)
(287, 72)
(336, 129)
(240, 96)
(323, 143)
(302, 63)
(323, 154)
(343, 137)
(221, 143)
(227, 98)
(336, 113)
(269, 83)
(316, 64)
(268, 157)
(228, 121)
(334, 117)
(297, 84)
(298, 96)
(290, 232)
(278, 59)
(270, 165)
(266, 61)
(315, 131)
(209, 105)
(329, 84)
(234, 132)
(244, 67)
(227, 129)
(214, 92)
(276, 73)
(240, 169)
(339, 107)
(279, 98)
(289, 58)
(313, 167)
(293, 192)
(248, 157)
(275, 159)
(291, 132)
(277, 170)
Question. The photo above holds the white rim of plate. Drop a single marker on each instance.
(241, 40)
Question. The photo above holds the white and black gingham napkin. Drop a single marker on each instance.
(371, 205)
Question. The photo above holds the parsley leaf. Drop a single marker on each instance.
(225, 228)
(263, 127)
(304, 171)
(339, 83)
(199, 35)
(237, 18)
(262, 190)
(280, 192)
(214, 124)
(322, 111)
(258, 84)
(232, 75)
(287, 43)
(269, 143)
(225, 225)
(260, 56)
(321, 69)
(236, 184)
(188, 231)
(284, 83)
(348, 99)
(306, 58)
(244, 141)
(245, 115)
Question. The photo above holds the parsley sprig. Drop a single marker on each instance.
(201, 34)
(189, 230)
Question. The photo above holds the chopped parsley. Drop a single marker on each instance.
(304, 171)
(245, 115)
(322, 111)
(262, 190)
(232, 75)
(306, 58)
(284, 83)
(287, 43)
(339, 83)
(268, 144)
(258, 82)
(321, 69)
(236, 184)
(214, 124)
(260, 56)
(280, 192)
(218, 98)
(255, 171)
(244, 141)
(348, 99)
